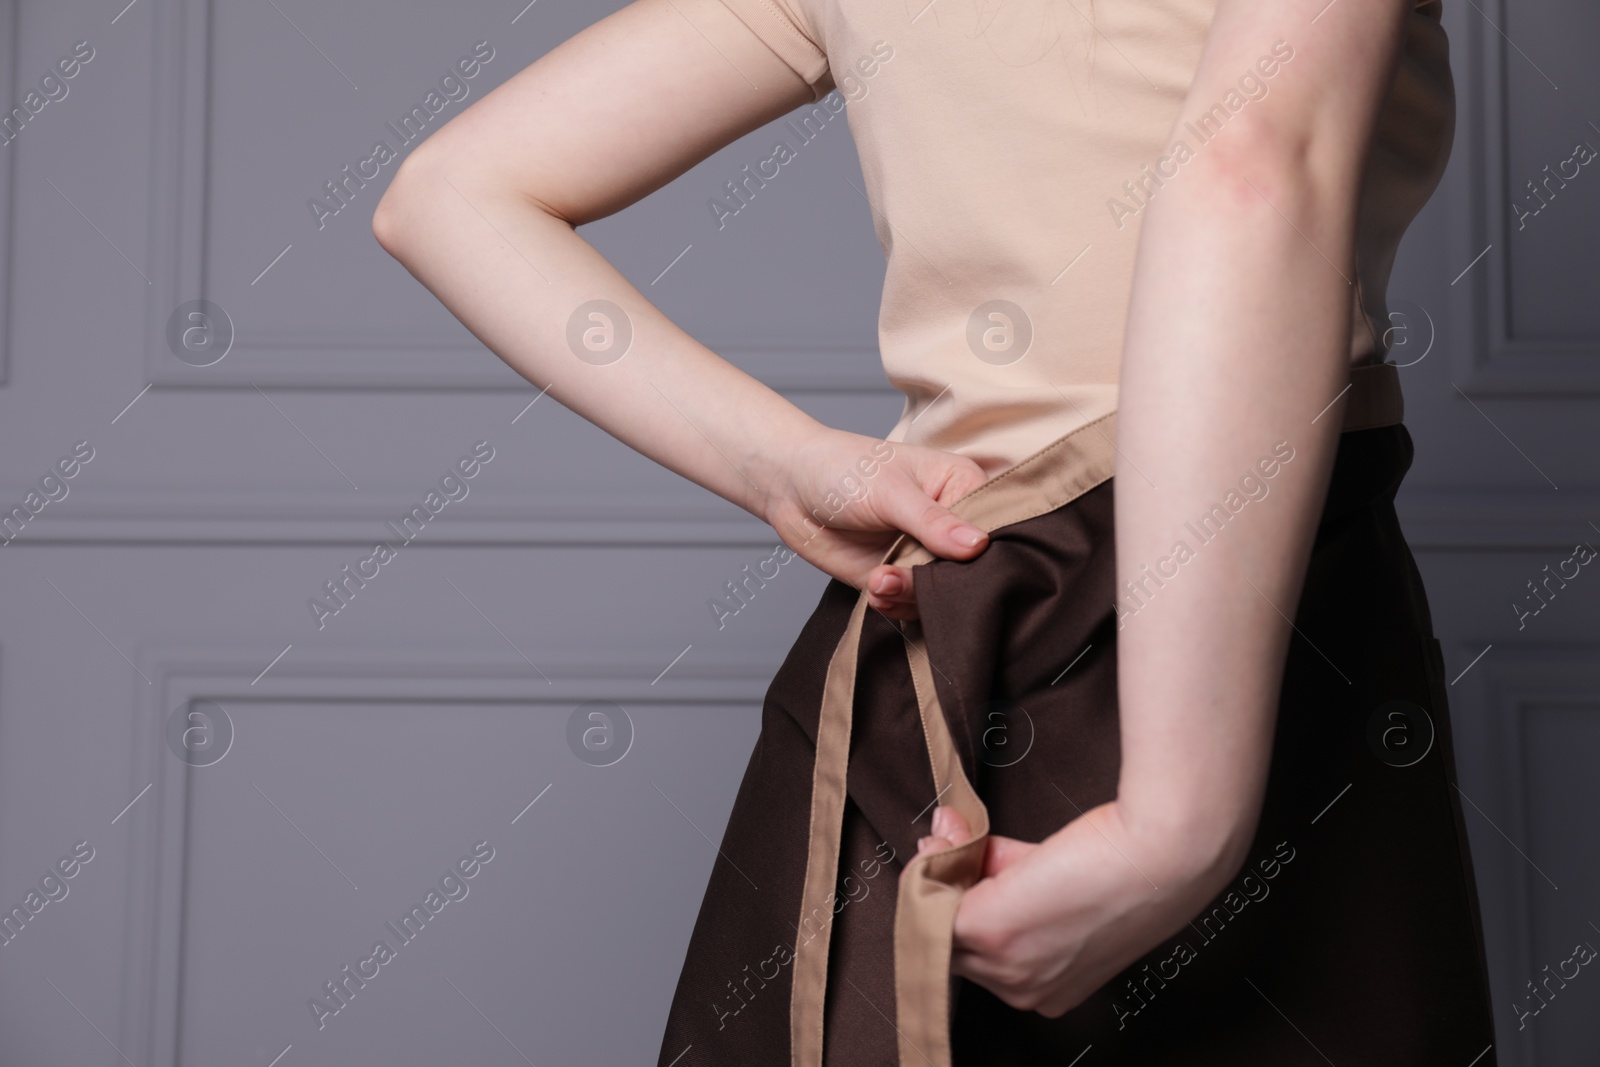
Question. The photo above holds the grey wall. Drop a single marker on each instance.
(1504, 413)
(432, 712)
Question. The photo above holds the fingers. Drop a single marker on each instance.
(1002, 852)
(999, 854)
(891, 591)
(949, 830)
(912, 502)
(950, 823)
(908, 507)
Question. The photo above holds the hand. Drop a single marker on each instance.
(1047, 924)
(845, 497)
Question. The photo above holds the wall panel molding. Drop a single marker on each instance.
(10, 32)
(1492, 719)
(1476, 520)
(1433, 520)
(1493, 362)
(183, 74)
(158, 860)
(250, 517)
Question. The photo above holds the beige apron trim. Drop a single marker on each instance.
(931, 885)
(810, 974)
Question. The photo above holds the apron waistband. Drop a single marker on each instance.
(931, 885)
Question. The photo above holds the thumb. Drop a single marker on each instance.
(905, 505)
(1003, 852)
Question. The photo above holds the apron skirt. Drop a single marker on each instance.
(1351, 935)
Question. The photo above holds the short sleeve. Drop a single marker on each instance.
(783, 27)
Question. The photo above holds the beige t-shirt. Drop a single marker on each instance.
(1009, 150)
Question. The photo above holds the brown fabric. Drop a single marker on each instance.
(1365, 936)
(931, 886)
(1374, 398)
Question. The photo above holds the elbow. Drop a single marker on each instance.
(416, 194)
(422, 195)
(395, 218)
(1293, 167)
(1199, 844)
(1257, 139)
(387, 226)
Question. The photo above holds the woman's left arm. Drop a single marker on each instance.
(1238, 335)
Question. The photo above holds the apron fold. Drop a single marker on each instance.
(932, 884)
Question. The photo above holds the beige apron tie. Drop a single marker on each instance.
(932, 884)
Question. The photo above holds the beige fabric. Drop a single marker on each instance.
(931, 885)
(930, 889)
(1008, 152)
(995, 140)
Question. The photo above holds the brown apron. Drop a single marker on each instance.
(932, 884)
(923, 1019)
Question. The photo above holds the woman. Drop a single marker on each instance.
(1136, 814)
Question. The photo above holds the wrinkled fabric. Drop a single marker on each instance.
(1354, 938)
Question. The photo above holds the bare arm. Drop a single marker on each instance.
(1238, 336)
(484, 213)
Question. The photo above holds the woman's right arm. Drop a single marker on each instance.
(484, 212)
(1238, 341)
